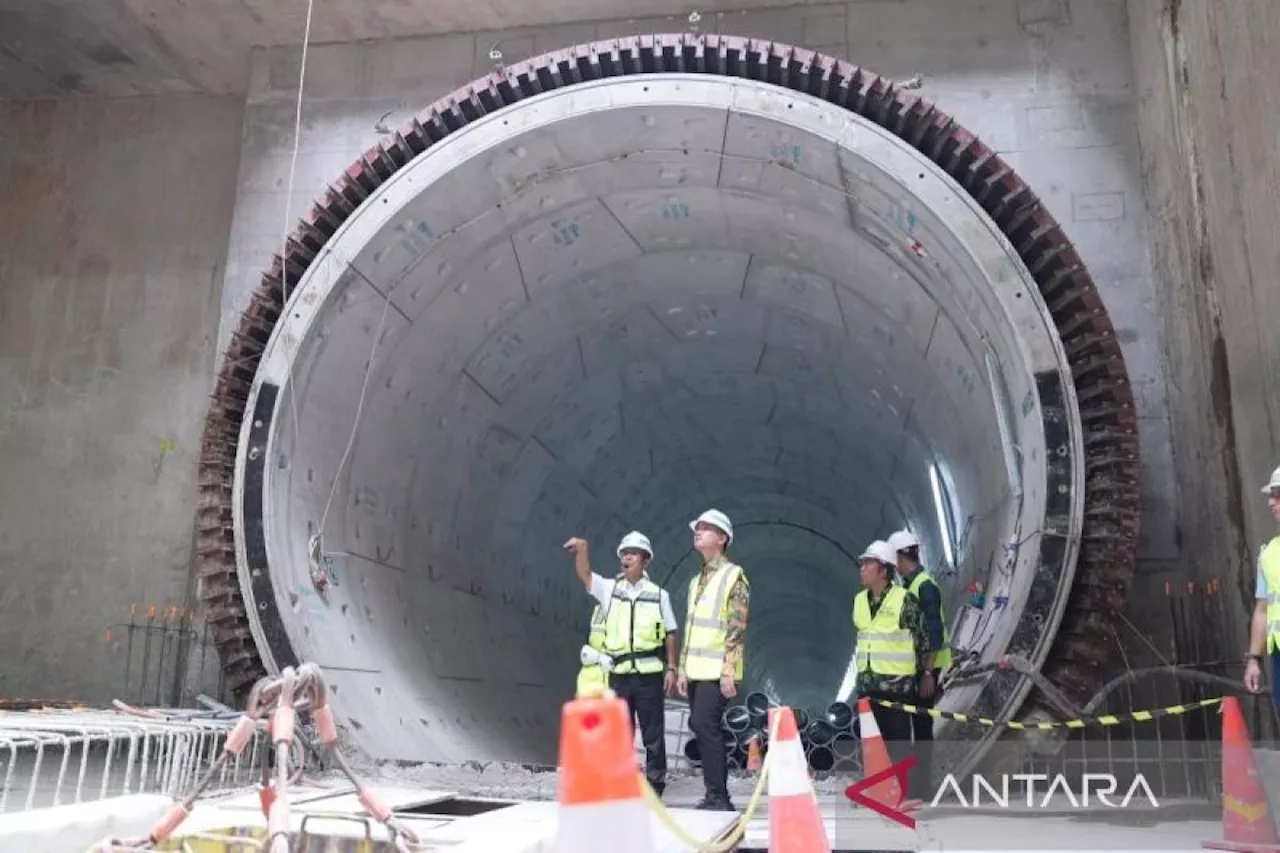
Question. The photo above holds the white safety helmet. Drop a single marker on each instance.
(635, 539)
(882, 551)
(901, 540)
(716, 519)
(1274, 484)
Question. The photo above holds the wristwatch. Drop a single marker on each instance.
(1251, 656)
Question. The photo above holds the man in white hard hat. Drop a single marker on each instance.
(892, 645)
(711, 661)
(1264, 630)
(636, 627)
(921, 586)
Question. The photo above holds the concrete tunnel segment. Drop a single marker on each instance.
(612, 286)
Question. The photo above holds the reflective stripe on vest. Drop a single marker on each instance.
(883, 647)
(707, 625)
(1269, 565)
(595, 637)
(942, 657)
(634, 625)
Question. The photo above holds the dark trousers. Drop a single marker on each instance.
(922, 731)
(895, 727)
(706, 712)
(644, 695)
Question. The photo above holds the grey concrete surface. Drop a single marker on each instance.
(114, 216)
(132, 47)
(1209, 125)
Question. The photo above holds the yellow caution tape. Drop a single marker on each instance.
(1103, 720)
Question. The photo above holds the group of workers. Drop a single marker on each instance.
(902, 645)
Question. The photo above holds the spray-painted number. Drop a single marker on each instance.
(786, 153)
(567, 235)
(330, 570)
(903, 217)
(675, 210)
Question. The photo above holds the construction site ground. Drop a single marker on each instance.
(507, 810)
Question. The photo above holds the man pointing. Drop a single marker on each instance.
(639, 633)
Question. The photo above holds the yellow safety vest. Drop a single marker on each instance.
(1269, 565)
(942, 657)
(884, 648)
(707, 624)
(634, 630)
(592, 675)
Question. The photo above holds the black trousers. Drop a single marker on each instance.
(922, 733)
(645, 702)
(706, 712)
(896, 728)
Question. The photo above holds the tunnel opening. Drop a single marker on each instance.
(617, 285)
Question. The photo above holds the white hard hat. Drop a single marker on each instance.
(1274, 484)
(716, 519)
(635, 539)
(880, 550)
(901, 540)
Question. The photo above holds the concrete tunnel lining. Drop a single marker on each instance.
(1066, 572)
(603, 266)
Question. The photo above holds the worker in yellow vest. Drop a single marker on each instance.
(633, 641)
(1264, 630)
(711, 661)
(892, 646)
(921, 586)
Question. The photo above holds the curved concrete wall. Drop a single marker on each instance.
(610, 306)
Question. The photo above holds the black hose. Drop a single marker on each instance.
(822, 759)
(802, 718)
(737, 718)
(1022, 666)
(1206, 678)
(840, 716)
(820, 733)
(757, 705)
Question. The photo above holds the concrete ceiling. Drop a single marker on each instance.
(58, 48)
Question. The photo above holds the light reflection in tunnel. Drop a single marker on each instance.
(946, 524)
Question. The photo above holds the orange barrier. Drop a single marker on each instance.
(1247, 824)
(601, 801)
(795, 822)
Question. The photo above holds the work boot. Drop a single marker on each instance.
(715, 804)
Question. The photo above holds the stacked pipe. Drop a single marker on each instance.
(829, 737)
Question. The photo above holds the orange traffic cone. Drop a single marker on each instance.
(1247, 825)
(600, 794)
(795, 823)
(753, 754)
(891, 792)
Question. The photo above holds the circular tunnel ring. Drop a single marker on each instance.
(1109, 531)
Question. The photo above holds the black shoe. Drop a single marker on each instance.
(715, 804)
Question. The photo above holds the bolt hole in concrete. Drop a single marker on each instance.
(616, 332)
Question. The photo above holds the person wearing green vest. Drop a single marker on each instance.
(634, 641)
(1264, 630)
(892, 646)
(711, 662)
(921, 586)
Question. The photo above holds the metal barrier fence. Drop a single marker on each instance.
(60, 757)
(1179, 755)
